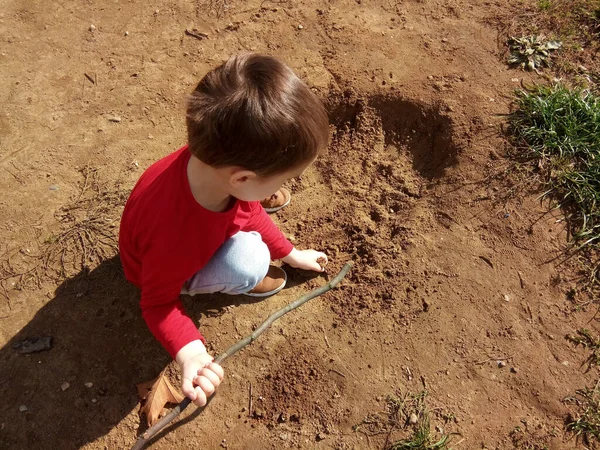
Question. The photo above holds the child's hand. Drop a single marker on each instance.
(307, 260)
(200, 376)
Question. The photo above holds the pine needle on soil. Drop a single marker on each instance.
(89, 232)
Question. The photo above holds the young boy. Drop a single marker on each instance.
(194, 222)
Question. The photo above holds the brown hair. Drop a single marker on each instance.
(254, 112)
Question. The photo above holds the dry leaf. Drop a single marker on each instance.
(154, 395)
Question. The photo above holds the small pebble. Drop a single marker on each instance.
(89, 384)
(92, 28)
(413, 419)
(94, 400)
(115, 119)
(300, 27)
(514, 370)
(283, 436)
(320, 437)
(23, 408)
(501, 364)
(444, 39)
(127, 33)
(53, 187)
(64, 386)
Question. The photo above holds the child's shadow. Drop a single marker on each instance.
(85, 384)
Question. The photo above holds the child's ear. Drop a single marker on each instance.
(240, 176)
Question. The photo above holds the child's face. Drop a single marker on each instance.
(260, 187)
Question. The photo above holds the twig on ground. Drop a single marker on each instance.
(521, 282)
(145, 437)
(250, 399)
(338, 372)
(325, 336)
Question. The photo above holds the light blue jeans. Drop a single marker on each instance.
(236, 267)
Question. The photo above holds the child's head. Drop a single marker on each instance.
(253, 112)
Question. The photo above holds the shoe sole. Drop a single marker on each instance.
(271, 292)
(277, 208)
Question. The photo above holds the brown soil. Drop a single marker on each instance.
(454, 269)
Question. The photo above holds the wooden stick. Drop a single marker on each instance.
(250, 400)
(150, 432)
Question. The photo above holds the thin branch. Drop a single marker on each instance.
(144, 438)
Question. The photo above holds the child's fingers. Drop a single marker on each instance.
(213, 377)
(200, 397)
(217, 369)
(187, 388)
(322, 261)
(205, 384)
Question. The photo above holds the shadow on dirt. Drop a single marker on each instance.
(99, 337)
(422, 129)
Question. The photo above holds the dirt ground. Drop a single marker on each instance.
(455, 270)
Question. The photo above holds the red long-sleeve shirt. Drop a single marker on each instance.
(166, 237)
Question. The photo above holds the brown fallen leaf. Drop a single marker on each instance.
(154, 395)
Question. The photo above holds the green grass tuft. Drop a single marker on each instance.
(585, 424)
(421, 438)
(560, 128)
(544, 5)
(407, 413)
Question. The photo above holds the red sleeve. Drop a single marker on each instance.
(162, 308)
(260, 221)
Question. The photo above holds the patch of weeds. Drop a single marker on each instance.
(545, 5)
(584, 424)
(584, 338)
(531, 52)
(422, 439)
(407, 411)
(576, 23)
(558, 128)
